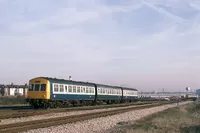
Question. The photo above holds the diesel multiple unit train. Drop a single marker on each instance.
(51, 93)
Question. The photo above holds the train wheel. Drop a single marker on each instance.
(47, 106)
(55, 106)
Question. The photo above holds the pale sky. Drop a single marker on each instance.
(145, 44)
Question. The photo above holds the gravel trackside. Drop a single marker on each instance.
(55, 115)
(103, 124)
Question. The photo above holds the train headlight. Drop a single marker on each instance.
(43, 95)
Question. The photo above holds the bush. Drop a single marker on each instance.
(12, 100)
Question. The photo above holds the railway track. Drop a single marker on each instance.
(24, 126)
(18, 113)
(15, 107)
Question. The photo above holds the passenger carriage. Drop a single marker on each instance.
(109, 94)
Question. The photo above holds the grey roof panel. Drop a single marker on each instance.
(85, 83)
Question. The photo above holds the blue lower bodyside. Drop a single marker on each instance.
(88, 97)
(129, 97)
(108, 97)
(72, 97)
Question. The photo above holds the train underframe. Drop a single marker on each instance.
(42, 103)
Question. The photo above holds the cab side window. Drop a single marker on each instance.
(31, 87)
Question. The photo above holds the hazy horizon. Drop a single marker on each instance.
(144, 44)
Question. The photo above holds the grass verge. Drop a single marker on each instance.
(181, 119)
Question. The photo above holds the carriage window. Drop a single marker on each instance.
(89, 90)
(37, 87)
(61, 88)
(78, 89)
(92, 90)
(83, 89)
(74, 88)
(43, 87)
(55, 88)
(65, 88)
(31, 87)
(69, 88)
(106, 91)
(86, 90)
(100, 91)
(103, 91)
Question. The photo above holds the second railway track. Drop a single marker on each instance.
(31, 112)
(25, 126)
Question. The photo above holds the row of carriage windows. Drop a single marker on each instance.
(130, 92)
(81, 89)
(72, 89)
(109, 91)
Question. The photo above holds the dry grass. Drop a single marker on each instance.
(184, 119)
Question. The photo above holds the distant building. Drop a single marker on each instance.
(198, 92)
(13, 90)
(16, 91)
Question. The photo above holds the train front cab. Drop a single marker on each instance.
(39, 92)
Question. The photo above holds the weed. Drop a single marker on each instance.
(182, 119)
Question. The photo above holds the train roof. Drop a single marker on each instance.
(125, 88)
(68, 81)
(85, 83)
